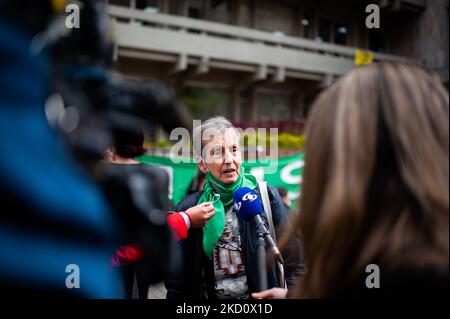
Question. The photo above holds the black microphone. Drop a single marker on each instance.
(249, 207)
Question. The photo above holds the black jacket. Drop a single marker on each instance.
(195, 278)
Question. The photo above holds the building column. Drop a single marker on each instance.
(353, 32)
(252, 13)
(235, 12)
(204, 9)
(164, 6)
(299, 20)
(315, 24)
(252, 94)
(183, 8)
(236, 103)
(133, 7)
(178, 85)
(298, 106)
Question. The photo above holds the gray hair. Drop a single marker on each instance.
(214, 125)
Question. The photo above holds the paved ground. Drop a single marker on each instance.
(157, 291)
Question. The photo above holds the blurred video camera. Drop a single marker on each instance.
(89, 107)
(138, 193)
(83, 58)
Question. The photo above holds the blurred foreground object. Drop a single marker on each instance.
(53, 215)
(375, 197)
(54, 218)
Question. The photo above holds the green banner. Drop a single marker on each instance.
(288, 174)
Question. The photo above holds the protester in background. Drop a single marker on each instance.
(219, 261)
(129, 257)
(197, 183)
(127, 146)
(376, 187)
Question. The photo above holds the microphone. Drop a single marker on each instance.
(249, 207)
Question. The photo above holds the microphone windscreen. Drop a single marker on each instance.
(247, 203)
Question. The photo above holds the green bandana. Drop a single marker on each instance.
(214, 228)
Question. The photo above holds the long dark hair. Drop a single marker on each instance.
(129, 144)
(376, 178)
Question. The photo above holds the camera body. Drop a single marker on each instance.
(136, 194)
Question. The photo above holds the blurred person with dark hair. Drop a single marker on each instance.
(127, 146)
(131, 257)
(376, 187)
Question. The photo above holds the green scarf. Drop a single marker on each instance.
(214, 228)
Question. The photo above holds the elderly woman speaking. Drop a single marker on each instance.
(219, 260)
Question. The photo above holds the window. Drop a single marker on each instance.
(207, 102)
(175, 7)
(307, 24)
(216, 3)
(340, 33)
(376, 41)
(144, 4)
(274, 106)
(194, 13)
(324, 30)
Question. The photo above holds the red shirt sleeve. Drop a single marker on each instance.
(178, 225)
(127, 254)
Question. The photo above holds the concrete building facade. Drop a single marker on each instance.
(270, 58)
